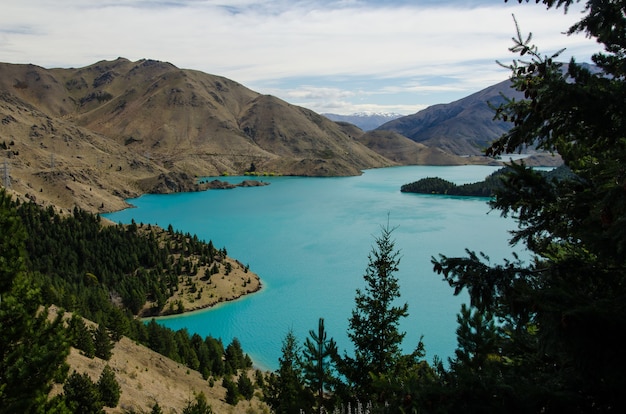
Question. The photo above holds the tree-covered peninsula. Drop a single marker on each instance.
(486, 188)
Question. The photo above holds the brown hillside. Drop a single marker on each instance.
(146, 378)
(93, 136)
(404, 151)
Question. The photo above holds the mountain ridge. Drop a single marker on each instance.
(94, 136)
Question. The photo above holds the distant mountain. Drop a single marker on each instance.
(464, 127)
(367, 121)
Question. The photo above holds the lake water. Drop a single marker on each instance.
(309, 239)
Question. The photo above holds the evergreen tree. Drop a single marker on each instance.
(317, 356)
(285, 392)
(156, 409)
(560, 314)
(32, 348)
(81, 394)
(200, 406)
(102, 342)
(81, 336)
(244, 386)
(373, 327)
(109, 388)
(232, 396)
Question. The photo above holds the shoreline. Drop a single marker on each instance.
(207, 289)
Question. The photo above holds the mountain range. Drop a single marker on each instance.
(367, 121)
(94, 136)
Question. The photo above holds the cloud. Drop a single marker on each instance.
(425, 46)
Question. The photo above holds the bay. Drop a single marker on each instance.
(309, 239)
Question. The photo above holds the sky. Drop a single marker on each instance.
(341, 57)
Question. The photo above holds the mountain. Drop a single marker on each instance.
(463, 127)
(367, 121)
(94, 136)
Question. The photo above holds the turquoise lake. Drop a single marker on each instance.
(309, 239)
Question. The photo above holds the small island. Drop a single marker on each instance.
(486, 188)
(436, 185)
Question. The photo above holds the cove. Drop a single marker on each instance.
(309, 239)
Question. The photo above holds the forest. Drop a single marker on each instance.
(542, 336)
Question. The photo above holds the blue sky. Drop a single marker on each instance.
(341, 56)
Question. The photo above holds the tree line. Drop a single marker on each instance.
(105, 273)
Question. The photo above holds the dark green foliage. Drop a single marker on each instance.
(81, 336)
(32, 348)
(232, 394)
(84, 262)
(285, 392)
(200, 406)
(234, 357)
(244, 386)
(318, 354)
(556, 348)
(108, 387)
(429, 185)
(373, 327)
(82, 395)
(487, 188)
(103, 345)
(156, 409)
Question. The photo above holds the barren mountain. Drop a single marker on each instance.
(96, 135)
(463, 127)
(93, 136)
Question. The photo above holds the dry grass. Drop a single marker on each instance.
(147, 377)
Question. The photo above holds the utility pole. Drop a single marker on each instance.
(6, 177)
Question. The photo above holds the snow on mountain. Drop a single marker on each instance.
(367, 121)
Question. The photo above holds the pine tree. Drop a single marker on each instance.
(373, 327)
(285, 392)
(32, 348)
(561, 312)
(244, 386)
(109, 388)
(80, 336)
(317, 356)
(81, 394)
(102, 342)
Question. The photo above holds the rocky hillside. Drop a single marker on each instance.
(463, 127)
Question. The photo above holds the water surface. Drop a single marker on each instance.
(309, 239)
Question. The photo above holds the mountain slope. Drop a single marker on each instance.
(463, 127)
(147, 377)
(96, 135)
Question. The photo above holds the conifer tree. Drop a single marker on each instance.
(102, 342)
(109, 388)
(285, 392)
(373, 327)
(561, 312)
(32, 348)
(318, 353)
(82, 395)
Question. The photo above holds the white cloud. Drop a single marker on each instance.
(260, 43)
